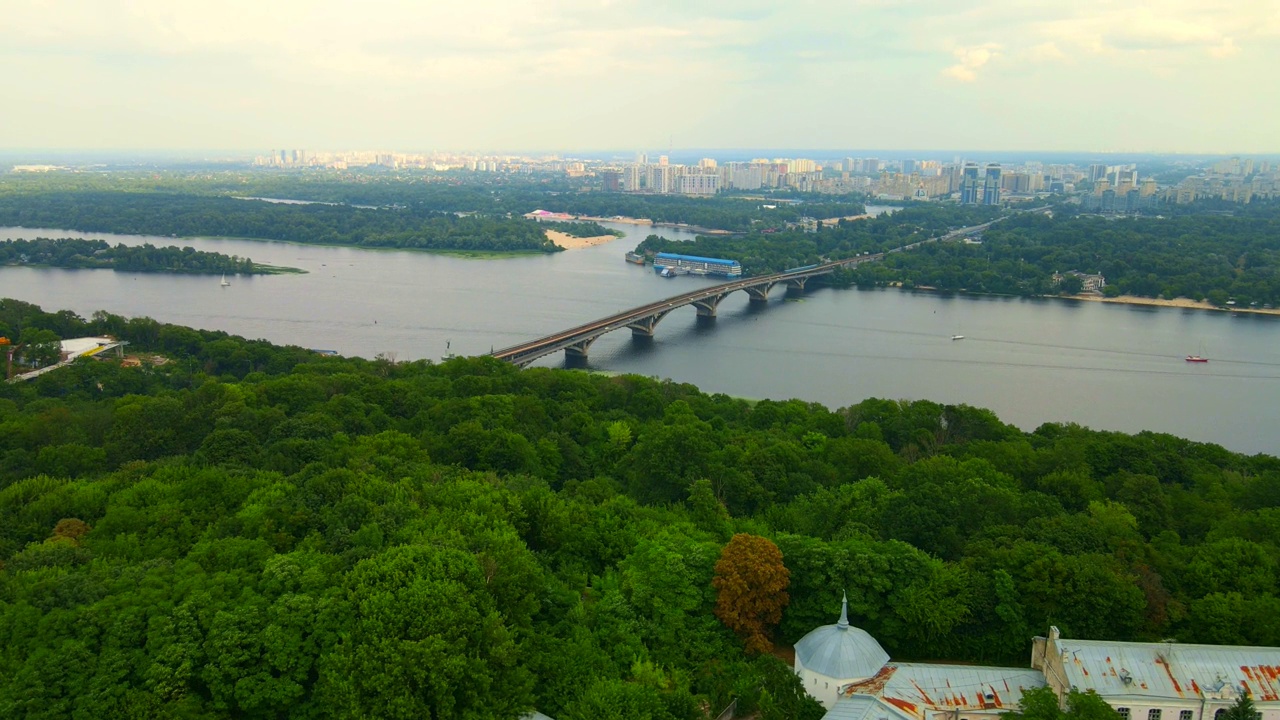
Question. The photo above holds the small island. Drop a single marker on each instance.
(81, 254)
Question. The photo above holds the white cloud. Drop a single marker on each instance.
(1046, 52)
(1225, 50)
(970, 60)
(616, 73)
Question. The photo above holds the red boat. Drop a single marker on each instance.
(1196, 358)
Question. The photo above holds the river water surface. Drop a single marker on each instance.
(1031, 361)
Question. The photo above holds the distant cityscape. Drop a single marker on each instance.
(1101, 188)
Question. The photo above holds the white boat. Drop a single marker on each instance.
(224, 281)
(957, 337)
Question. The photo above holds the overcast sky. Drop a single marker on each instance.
(563, 75)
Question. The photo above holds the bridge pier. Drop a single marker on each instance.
(707, 306)
(759, 293)
(644, 326)
(796, 285)
(576, 354)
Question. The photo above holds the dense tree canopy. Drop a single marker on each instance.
(774, 250)
(261, 531)
(77, 253)
(1214, 257)
(158, 213)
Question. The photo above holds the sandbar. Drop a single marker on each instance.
(571, 242)
(1175, 302)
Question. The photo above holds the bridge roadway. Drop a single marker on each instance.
(642, 320)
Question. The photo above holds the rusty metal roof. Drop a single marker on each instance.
(863, 707)
(1171, 670)
(910, 691)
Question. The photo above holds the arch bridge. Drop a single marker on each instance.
(575, 342)
(642, 320)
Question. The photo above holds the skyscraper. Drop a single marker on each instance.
(991, 185)
(969, 188)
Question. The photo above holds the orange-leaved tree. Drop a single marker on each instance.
(752, 589)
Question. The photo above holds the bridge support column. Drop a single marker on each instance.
(759, 293)
(644, 326)
(707, 307)
(577, 353)
(796, 285)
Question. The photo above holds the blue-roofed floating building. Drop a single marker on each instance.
(845, 669)
(695, 265)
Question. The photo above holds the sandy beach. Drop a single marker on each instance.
(569, 242)
(1176, 302)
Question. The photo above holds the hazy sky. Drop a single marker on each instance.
(1100, 75)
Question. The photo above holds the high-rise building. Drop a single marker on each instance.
(1016, 182)
(991, 185)
(908, 167)
(612, 180)
(969, 187)
(1097, 172)
(700, 184)
(661, 178)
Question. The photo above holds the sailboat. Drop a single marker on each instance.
(1198, 358)
(225, 283)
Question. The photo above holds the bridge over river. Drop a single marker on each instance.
(644, 319)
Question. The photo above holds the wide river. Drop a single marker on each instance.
(1102, 365)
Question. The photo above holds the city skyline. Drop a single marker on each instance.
(996, 76)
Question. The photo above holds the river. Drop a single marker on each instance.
(1102, 365)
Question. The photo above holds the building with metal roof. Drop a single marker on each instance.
(698, 265)
(834, 656)
(921, 691)
(1164, 680)
(1142, 681)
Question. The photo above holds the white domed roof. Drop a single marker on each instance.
(841, 651)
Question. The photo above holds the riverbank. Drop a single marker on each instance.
(673, 225)
(618, 219)
(258, 269)
(1184, 303)
(451, 252)
(571, 242)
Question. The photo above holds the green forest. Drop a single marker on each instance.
(191, 215)
(92, 254)
(767, 252)
(1203, 257)
(260, 531)
(499, 196)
